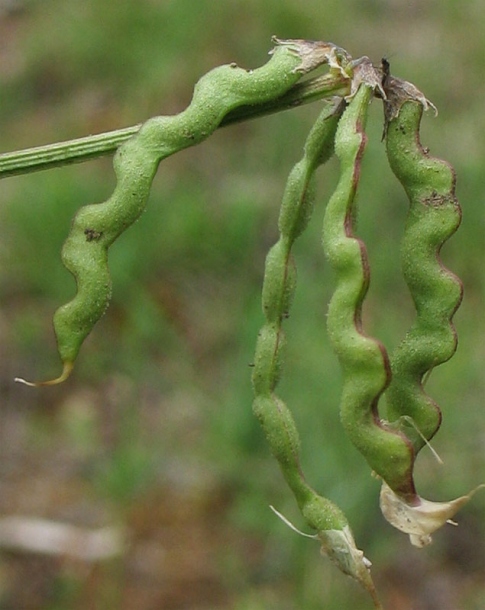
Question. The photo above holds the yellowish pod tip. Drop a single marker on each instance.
(66, 371)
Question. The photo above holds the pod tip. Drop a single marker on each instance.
(66, 371)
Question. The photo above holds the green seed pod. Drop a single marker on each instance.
(95, 227)
(282, 436)
(268, 358)
(274, 416)
(434, 215)
(363, 359)
(280, 286)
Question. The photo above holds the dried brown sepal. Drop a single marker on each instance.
(397, 92)
(314, 53)
(365, 72)
(423, 517)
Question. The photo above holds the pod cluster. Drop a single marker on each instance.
(389, 444)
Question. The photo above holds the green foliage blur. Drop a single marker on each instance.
(154, 429)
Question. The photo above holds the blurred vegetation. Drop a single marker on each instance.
(154, 429)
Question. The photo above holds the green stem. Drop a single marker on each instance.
(94, 146)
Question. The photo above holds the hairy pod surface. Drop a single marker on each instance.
(364, 360)
(96, 227)
(434, 215)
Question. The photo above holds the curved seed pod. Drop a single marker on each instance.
(95, 227)
(434, 215)
(363, 359)
(274, 416)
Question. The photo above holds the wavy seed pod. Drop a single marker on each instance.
(434, 215)
(96, 227)
(274, 416)
(363, 359)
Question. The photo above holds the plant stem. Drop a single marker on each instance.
(90, 147)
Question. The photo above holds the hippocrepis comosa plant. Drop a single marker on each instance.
(227, 94)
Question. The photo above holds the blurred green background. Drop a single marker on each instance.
(154, 430)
